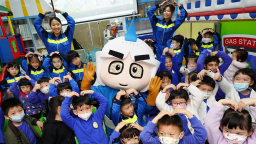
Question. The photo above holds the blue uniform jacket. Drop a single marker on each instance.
(253, 65)
(2, 121)
(90, 131)
(61, 72)
(53, 89)
(37, 97)
(8, 81)
(77, 73)
(174, 71)
(211, 45)
(139, 110)
(227, 61)
(63, 42)
(179, 53)
(198, 137)
(30, 108)
(34, 74)
(162, 30)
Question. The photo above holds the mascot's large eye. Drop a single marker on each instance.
(116, 67)
(136, 70)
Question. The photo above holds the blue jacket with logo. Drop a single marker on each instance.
(8, 81)
(211, 45)
(34, 74)
(53, 88)
(77, 73)
(162, 30)
(62, 43)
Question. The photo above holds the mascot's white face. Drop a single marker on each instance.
(125, 64)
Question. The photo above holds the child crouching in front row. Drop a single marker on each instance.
(88, 127)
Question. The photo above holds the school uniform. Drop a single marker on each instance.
(115, 138)
(37, 97)
(193, 105)
(222, 68)
(211, 45)
(147, 135)
(34, 74)
(8, 81)
(2, 121)
(253, 66)
(90, 131)
(233, 68)
(162, 30)
(137, 117)
(53, 88)
(77, 72)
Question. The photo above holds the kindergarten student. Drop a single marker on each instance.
(40, 91)
(236, 123)
(212, 62)
(168, 63)
(59, 69)
(239, 58)
(55, 130)
(192, 46)
(204, 39)
(34, 68)
(190, 65)
(88, 127)
(125, 133)
(20, 128)
(21, 90)
(12, 74)
(123, 110)
(170, 129)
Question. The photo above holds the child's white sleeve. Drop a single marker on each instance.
(225, 86)
(197, 96)
(161, 104)
(186, 72)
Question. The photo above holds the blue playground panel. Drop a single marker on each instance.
(5, 51)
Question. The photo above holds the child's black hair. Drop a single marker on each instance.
(242, 55)
(192, 76)
(180, 93)
(33, 56)
(62, 86)
(152, 44)
(234, 119)
(129, 132)
(81, 100)
(163, 74)
(192, 56)
(79, 84)
(10, 103)
(178, 39)
(43, 79)
(209, 59)
(191, 41)
(24, 82)
(56, 56)
(52, 107)
(172, 8)
(245, 71)
(71, 55)
(125, 100)
(9, 65)
(208, 81)
(168, 56)
(171, 120)
(210, 33)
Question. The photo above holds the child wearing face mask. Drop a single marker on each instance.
(205, 39)
(170, 129)
(122, 109)
(57, 87)
(125, 134)
(55, 130)
(190, 66)
(34, 68)
(179, 98)
(25, 85)
(40, 91)
(168, 63)
(20, 126)
(236, 123)
(88, 127)
(55, 65)
(12, 74)
(239, 58)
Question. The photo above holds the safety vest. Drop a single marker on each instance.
(131, 119)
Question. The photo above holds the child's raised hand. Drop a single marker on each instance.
(172, 52)
(120, 126)
(8, 91)
(86, 92)
(38, 53)
(120, 94)
(29, 53)
(67, 77)
(174, 3)
(214, 53)
(211, 30)
(131, 90)
(69, 73)
(229, 102)
(169, 87)
(160, 115)
(57, 79)
(202, 73)
(137, 126)
(165, 50)
(182, 69)
(71, 94)
(182, 85)
(217, 76)
(27, 77)
(40, 125)
(245, 102)
(181, 111)
(196, 83)
(36, 87)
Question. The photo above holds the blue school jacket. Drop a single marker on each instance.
(53, 89)
(211, 45)
(253, 65)
(62, 43)
(139, 111)
(34, 74)
(37, 97)
(2, 121)
(8, 81)
(162, 30)
(90, 131)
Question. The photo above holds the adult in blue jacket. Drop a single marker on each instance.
(57, 41)
(163, 29)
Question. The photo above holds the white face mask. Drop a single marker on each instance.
(168, 140)
(234, 138)
(206, 40)
(45, 90)
(173, 46)
(64, 94)
(85, 116)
